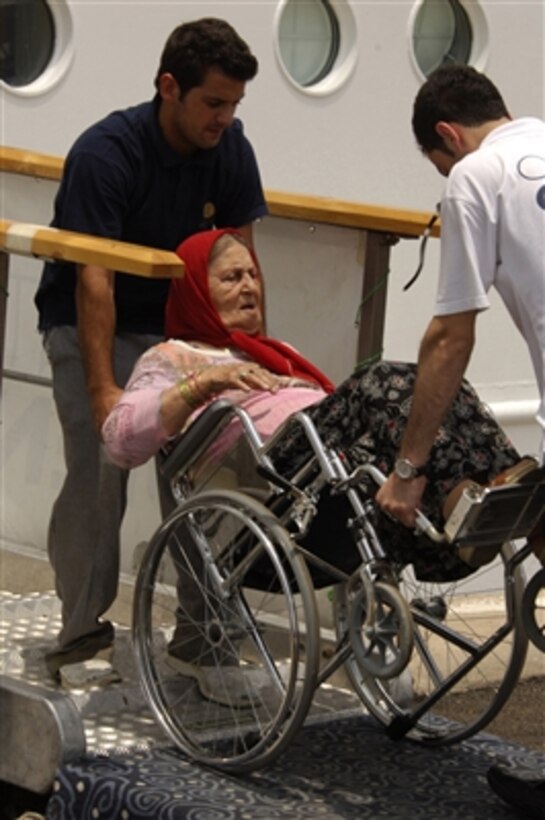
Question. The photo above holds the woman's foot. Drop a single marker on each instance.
(473, 556)
(526, 470)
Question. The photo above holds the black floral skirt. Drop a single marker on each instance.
(365, 418)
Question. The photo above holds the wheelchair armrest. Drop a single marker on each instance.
(192, 443)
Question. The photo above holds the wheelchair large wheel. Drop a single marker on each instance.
(224, 605)
(461, 635)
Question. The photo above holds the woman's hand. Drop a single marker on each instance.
(245, 376)
(205, 384)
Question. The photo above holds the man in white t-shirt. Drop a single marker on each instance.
(492, 233)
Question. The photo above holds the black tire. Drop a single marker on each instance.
(257, 610)
(533, 610)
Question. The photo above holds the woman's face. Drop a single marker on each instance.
(234, 284)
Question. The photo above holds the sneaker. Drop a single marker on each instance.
(95, 671)
(226, 685)
(522, 788)
(85, 648)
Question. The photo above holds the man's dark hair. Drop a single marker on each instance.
(454, 92)
(193, 48)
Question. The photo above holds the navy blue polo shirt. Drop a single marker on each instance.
(123, 181)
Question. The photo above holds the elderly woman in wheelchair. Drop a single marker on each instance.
(226, 630)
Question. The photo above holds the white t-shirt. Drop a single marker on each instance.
(493, 233)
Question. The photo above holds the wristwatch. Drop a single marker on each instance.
(406, 470)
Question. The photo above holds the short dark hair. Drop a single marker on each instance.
(193, 48)
(454, 92)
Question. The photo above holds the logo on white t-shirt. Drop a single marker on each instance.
(532, 168)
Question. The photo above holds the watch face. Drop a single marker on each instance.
(404, 469)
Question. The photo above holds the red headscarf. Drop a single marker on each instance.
(190, 315)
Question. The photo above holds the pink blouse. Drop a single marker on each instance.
(134, 430)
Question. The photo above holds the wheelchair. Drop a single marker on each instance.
(410, 648)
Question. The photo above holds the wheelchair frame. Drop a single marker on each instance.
(409, 648)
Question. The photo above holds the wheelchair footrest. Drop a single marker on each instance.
(493, 515)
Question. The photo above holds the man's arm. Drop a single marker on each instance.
(96, 327)
(444, 354)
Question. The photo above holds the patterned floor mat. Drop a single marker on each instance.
(342, 769)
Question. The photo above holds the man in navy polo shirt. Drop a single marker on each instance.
(152, 174)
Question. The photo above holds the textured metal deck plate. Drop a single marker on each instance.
(114, 719)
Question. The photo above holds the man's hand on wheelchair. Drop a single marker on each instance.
(400, 498)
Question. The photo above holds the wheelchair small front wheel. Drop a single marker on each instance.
(225, 631)
(467, 657)
(382, 645)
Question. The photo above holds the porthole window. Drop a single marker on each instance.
(35, 44)
(315, 43)
(308, 38)
(447, 31)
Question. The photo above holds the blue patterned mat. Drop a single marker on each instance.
(344, 768)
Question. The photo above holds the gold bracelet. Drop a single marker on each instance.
(205, 394)
(187, 394)
(196, 388)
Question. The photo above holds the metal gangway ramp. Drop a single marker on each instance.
(100, 754)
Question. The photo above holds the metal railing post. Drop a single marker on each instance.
(4, 277)
(372, 312)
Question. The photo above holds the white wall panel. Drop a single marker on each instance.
(355, 144)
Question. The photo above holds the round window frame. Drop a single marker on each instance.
(480, 45)
(344, 63)
(61, 57)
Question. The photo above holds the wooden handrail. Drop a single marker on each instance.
(349, 214)
(30, 163)
(68, 246)
(289, 206)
